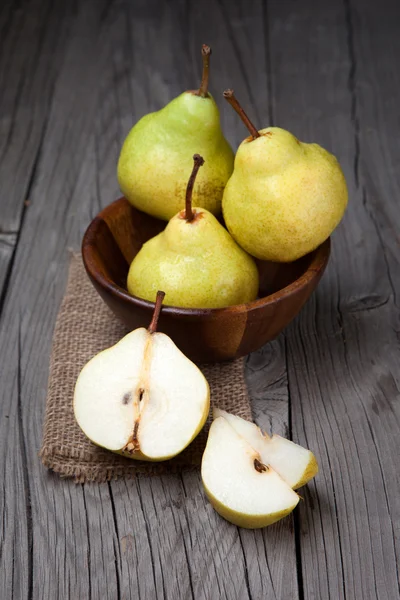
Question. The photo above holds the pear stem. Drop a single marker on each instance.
(230, 97)
(198, 162)
(156, 314)
(206, 53)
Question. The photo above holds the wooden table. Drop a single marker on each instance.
(74, 78)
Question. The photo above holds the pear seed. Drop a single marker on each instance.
(126, 398)
(259, 466)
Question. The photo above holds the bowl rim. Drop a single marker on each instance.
(315, 268)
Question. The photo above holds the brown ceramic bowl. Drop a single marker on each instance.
(205, 335)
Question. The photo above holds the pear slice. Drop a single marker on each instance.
(239, 486)
(142, 397)
(295, 464)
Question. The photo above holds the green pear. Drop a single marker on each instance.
(285, 197)
(142, 397)
(195, 261)
(156, 155)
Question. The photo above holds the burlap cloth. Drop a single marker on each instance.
(84, 327)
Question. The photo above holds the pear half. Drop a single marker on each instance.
(142, 397)
(295, 464)
(240, 487)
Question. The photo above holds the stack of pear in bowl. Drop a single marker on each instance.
(189, 244)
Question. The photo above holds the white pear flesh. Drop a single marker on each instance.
(144, 388)
(240, 493)
(295, 464)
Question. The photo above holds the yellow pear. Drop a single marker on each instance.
(284, 197)
(195, 261)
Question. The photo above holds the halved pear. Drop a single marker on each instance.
(241, 488)
(295, 464)
(142, 397)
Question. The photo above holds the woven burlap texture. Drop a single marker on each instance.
(84, 327)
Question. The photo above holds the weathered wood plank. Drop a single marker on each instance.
(379, 179)
(7, 246)
(33, 36)
(151, 537)
(47, 528)
(338, 349)
(159, 537)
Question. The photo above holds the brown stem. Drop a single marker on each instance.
(157, 309)
(133, 445)
(198, 162)
(206, 53)
(230, 96)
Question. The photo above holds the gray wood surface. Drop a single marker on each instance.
(7, 248)
(75, 77)
(31, 47)
(342, 351)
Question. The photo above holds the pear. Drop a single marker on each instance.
(284, 197)
(295, 464)
(142, 397)
(155, 156)
(195, 261)
(240, 487)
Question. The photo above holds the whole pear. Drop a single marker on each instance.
(285, 197)
(156, 155)
(195, 261)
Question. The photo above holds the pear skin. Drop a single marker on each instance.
(156, 155)
(284, 197)
(196, 262)
(199, 266)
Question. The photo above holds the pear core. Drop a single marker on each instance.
(295, 464)
(239, 486)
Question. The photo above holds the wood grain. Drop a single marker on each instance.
(156, 538)
(337, 350)
(31, 48)
(77, 76)
(7, 246)
(46, 527)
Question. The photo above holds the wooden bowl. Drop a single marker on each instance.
(205, 335)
